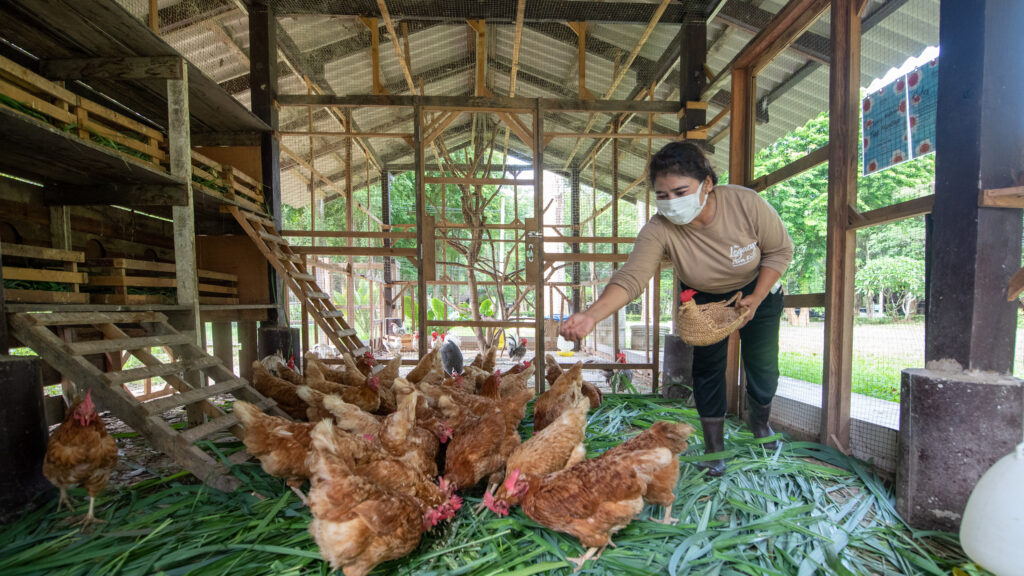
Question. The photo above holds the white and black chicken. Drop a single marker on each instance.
(451, 355)
(516, 350)
(619, 380)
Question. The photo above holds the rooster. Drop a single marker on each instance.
(451, 356)
(80, 452)
(619, 380)
(517, 351)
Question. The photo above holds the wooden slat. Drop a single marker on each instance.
(129, 264)
(26, 251)
(794, 168)
(159, 370)
(804, 300)
(354, 251)
(900, 211)
(44, 296)
(73, 318)
(36, 275)
(218, 424)
(114, 345)
(192, 396)
(318, 295)
(144, 281)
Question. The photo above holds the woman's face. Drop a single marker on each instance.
(669, 186)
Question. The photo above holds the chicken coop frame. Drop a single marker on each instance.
(158, 161)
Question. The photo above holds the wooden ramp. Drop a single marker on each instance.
(148, 329)
(293, 269)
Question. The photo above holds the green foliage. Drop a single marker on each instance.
(802, 203)
(900, 276)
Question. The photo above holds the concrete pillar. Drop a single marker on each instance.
(677, 369)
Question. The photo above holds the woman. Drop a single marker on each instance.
(721, 239)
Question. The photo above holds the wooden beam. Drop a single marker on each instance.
(900, 211)
(350, 234)
(790, 170)
(478, 104)
(354, 251)
(841, 243)
(154, 16)
(741, 142)
(371, 23)
(516, 43)
(580, 28)
(476, 181)
(787, 25)
(335, 134)
(134, 68)
(804, 300)
(480, 29)
(406, 68)
(421, 216)
(1012, 197)
(118, 194)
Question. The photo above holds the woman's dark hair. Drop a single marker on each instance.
(683, 159)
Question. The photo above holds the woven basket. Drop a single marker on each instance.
(707, 324)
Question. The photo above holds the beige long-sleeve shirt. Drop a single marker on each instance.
(745, 234)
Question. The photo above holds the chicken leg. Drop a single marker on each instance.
(65, 499)
(90, 518)
(666, 518)
(593, 553)
(294, 485)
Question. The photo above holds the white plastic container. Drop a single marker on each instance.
(992, 530)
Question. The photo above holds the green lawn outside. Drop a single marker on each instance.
(880, 352)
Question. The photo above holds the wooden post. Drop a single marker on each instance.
(421, 216)
(385, 216)
(249, 351)
(223, 345)
(615, 231)
(574, 208)
(841, 243)
(741, 169)
(263, 76)
(304, 311)
(187, 280)
(350, 282)
(692, 80)
(538, 210)
(4, 339)
(154, 16)
(60, 227)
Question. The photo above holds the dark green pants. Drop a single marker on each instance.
(759, 348)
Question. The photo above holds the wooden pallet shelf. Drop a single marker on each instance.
(39, 331)
(43, 265)
(111, 279)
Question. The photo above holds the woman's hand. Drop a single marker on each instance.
(751, 301)
(577, 326)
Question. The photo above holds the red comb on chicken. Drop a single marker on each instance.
(687, 295)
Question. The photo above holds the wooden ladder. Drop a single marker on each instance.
(292, 268)
(37, 330)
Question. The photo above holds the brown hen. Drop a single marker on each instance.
(556, 399)
(661, 489)
(281, 390)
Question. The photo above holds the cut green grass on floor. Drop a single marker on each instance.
(803, 510)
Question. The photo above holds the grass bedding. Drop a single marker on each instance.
(805, 509)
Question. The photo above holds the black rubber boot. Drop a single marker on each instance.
(714, 441)
(758, 416)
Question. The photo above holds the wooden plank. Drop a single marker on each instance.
(480, 324)
(115, 345)
(841, 242)
(159, 370)
(590, 239)
(199, 394)
(36, 275)
(337, 134)
(402, 59)
(44, 296)
(476, 181)
(130, 264)
(354, 251)
(80, 318)
(790, 170)
(120, 194)
(900, 211)
(318, 295)
(145, 281)
(26, 251)
(1012, 197)
(478, 104)
(741, 136)
(816, 300)
(349, 234)
(538, 240)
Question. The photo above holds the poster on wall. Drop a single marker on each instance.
(886, 141)
(922, 90)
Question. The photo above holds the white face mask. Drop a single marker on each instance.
(684, 209)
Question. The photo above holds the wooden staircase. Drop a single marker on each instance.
(37, 330)
(293, 269)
